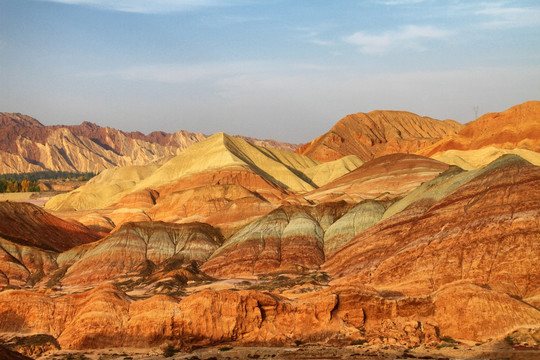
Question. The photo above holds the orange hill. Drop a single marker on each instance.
(377, 133)
(515, 128)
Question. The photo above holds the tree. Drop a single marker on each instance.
(25, 185)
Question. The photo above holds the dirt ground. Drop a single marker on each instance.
(492, 350)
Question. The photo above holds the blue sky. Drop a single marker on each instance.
(282, 69)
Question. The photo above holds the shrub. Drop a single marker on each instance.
(359, 342)
(169, 351)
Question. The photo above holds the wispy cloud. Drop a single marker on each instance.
(314, 35)
(410, 36)
(500, 15)
(150, 7)
(211, 73)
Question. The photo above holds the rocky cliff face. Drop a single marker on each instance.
(370, 135)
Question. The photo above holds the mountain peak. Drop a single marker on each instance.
(17, 119)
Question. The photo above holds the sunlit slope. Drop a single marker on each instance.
(474, 159)
(290, 171)
(102, 189)
(377, 133)
(515, 128)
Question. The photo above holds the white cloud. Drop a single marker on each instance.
(410, 36)
(501, 16)
(313, 35)
(212, 73)
(150, 7)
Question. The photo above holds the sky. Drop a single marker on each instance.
(281, 69)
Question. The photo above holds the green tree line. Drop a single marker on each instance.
(28, 182)
(16, 186)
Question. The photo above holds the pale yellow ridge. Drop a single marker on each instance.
(475, 159)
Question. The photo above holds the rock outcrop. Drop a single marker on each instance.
(377, 133)
(106, 317)
(287, 240)
(136, 250)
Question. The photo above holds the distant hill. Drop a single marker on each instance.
(378, 133)
(26, 145)
(513, 131)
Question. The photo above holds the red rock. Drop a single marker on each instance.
(486, 232)
(289, 239)
(29, 225)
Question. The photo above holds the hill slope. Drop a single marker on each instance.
(515, 128)
(377, 133)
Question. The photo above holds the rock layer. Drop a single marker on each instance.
(289, 239)
(136, 249)
(387, 177)
(515, 128)
(486, 232)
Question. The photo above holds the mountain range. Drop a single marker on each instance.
(392, 229)
(26, 145)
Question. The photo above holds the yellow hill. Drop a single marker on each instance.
(291, 171)
(475, 159)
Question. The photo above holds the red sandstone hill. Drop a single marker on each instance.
(456, 259)
(30, 240)
(29, 225)
(515, 128)
(377, 133)
(26, 145)
(387, 177)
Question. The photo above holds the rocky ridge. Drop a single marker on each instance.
(26, 145)
(377, 133)
(513, 131)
